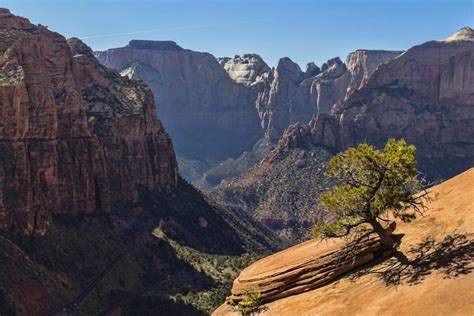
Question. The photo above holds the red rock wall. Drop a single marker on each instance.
(75, 137)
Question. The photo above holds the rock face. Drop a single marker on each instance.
(294, 96)
(88, 173)
(216, 109)
(431, 272)
(304, 267)
(282, 191)
(464, 34)
(209, 116)
(245, 69)
(75, 137)
(362, 63)
(425, 95)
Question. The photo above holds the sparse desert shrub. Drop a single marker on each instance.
(250, 303)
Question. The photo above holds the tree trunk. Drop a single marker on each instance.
(387, 241)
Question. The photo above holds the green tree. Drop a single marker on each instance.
(250, 303)
(373, 185)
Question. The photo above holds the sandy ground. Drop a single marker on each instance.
(432, 274)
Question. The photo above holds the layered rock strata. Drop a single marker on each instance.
(75, 137)
(431, 272)
(209, 116)
(246, 69)
(216, 109)
(304, 267)
(425, 96)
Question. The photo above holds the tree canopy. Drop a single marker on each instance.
(373, 184)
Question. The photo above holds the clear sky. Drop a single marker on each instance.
(303, 30)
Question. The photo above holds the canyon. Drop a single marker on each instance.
(62, 137)
(104, 155)
(424, 95)
(219, 111)
(93, 213)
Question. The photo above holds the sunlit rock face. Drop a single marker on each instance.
(246, 69)
(75, 137)
(294, 96)
(218, 108)
(425, 95)
(208, 114)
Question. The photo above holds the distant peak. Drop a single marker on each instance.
(464, 34)
(4, 12)
(79, 48)
(154, 45)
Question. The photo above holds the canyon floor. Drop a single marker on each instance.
(429, 274)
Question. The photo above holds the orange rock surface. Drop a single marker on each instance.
(431, 274)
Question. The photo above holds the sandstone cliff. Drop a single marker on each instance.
(209, 116)
(87, 174)
(246, 69)
(75, 137)
(216, 109)
(294, 96)
(424, 95)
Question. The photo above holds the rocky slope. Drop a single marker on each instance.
(431, 272)
(304, 267)
(424, 95)
(93, 214)
(281, 191)
(209, 116)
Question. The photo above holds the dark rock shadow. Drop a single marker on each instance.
(453, 256)
(261, 309)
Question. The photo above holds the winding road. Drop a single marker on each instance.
(72, 305)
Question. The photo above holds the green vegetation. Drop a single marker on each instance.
(250, 303)
(231, 168)
(373, 185)
(285, 196)
(222, 269)
(186, 267)
(12, 76)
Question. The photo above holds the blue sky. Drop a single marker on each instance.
(300, 29)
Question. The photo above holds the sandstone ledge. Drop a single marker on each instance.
(303, 267)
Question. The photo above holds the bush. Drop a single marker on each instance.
(250, 303)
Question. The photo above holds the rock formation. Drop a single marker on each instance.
(216, 109)
(424, 95)
(282, 191)
(75, 137)
(87, 173)
(304, 267)
(209, 116)
(294, 96)
(246, 69)
(430, 273)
